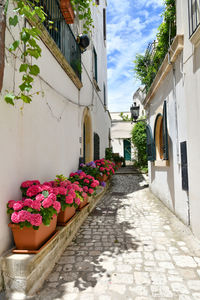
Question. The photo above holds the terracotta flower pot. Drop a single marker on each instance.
(82, 204)
(102, 178)
(29, 239)
(67, 11)
(65, 215)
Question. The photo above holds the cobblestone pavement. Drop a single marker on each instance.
(130, 247)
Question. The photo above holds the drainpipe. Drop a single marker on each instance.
(2, 40)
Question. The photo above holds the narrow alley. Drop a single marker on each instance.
(130, 247)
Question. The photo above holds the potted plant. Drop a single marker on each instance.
(106, 169)
(87, 182)
(68, 194)
(34, 218)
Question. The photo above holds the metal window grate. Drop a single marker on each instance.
(193, 15)
(62, 34)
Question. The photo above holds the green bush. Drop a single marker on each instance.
(139, 138)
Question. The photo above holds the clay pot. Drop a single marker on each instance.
(65, 215)
(67, 11)
(82, 204)
(102, 178)
(29, 239)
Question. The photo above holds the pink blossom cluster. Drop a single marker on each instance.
(24, 215)
(87, 182)
(68, 193)
(105, 166)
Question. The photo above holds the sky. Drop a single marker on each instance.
(131, 26)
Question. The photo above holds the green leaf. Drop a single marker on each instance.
(45, 194)
(13, 21)
(25, 98)
(33, 52)
(9, 98)
(27, 78)
(34, 70)
(25, 36)
(23, 67)
(14, 46)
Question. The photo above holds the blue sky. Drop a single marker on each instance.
(131, 25)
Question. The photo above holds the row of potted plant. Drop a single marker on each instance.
(44, 205)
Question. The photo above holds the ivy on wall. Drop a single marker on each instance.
(147, 65)
(26, 44)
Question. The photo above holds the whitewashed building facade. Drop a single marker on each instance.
(71, 121)
(172, 106)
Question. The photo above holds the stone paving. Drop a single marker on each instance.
(130, 247)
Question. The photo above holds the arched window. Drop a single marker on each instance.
(158, 137)
(161, 137)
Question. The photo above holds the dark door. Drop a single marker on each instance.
(127, 149)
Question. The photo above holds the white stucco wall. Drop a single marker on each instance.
(181, 89)
(191, 74)
(42, 139)
(165, 182)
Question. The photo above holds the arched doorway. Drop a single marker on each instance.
(87, 137)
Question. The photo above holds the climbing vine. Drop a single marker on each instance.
(27, 42)
(83, 10)
(147, 65)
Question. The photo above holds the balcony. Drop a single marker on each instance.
(62, 34)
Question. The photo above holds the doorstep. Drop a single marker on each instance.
(24, 274)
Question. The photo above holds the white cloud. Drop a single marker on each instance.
(130, 28)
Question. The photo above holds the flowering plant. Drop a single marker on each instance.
(68, 194)
(105, 166)
(90, 169)
(38, 206)
(87, 182)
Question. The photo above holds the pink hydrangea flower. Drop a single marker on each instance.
(62, 191)
(39, 197)
(33, 190)
(93, 185)
(24, 215)
(101, 169)
(46, 188)
(47, 202)
(57, 206)
(18, 205)
(85, 188)
(36, 219)
(69, 199)
(26, 184)
(77, 201)
(36, 205)
(84, 195)
(28, 202)
(52, 196)
(15, 217)
(86, 181)
(11, 203)
(91, 191)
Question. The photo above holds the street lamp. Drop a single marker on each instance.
(134, 109)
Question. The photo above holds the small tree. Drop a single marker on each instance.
(139, 138)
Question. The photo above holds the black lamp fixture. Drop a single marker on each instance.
(83, 41)
(135, 111)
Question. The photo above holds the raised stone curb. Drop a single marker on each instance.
(24, 274)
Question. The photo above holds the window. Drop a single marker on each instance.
(150, 144)
(193, 15)
(95, 64)
(96, 146)
(158, 135)
(104, 24)
(161, 137)
(104, 94)
(97, 2)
